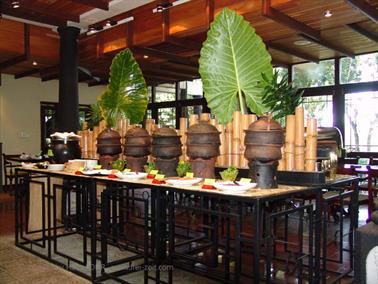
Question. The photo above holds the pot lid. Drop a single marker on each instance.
(137, 132)
(265, 123)
(108, 133)
(202, 127)
(165, 132)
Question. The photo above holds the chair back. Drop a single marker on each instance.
(9, 174)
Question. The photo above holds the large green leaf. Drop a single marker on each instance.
(233, 57)
(126, 93)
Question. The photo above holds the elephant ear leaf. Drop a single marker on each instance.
(126, 93)
(233, 59)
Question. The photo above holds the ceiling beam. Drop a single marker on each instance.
(332, 46)
(357, 28)
(50, 77)
(97, 83)
(184, 43)
(26, 73)
(24, 14)
(304, 30)
(288, 21)
(156, 67)
(293, 52)
(278, 63)
(100, 4)
(20, 58)
(164, 55)
(365, 8)
(171, 75)
(44, 10)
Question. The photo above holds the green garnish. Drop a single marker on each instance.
(229, 174)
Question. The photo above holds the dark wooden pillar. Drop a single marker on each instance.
(68, 107)
(338, 101)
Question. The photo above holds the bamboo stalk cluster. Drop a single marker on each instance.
(298, 152)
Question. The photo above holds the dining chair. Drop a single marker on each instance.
(372, 190)
(9, 172)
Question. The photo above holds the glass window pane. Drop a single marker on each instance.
(362, 68)
(149, 93)
(281, 72)
(314, 75)
(167, 117)
(321, 108)
(361, 122)
(191, 89)
(187, 111)
(165, 93)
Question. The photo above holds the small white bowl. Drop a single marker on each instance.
(55, 167)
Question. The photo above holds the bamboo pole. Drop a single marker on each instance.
(235, 147)
(90, 144)
(193, 119)
(299, 139)
(205, 116)
(229, 143)
(311, 144)
(289, 142)
(222, 159)
(244, 127)
(182, 132)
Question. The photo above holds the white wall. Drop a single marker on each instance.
(20, 110)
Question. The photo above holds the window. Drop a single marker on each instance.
(187, 111)
(165, 93)
(319, 107)
(167, 117)
(314, 75)
(281, 72)
(361, 122)
(362, 68)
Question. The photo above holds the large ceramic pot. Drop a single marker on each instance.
(137, 142)
(108, 147)
(65, 149)
(202, 148)
(263, 140)
(166, 148)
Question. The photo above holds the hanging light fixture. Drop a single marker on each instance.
(328, 13)
(15, 4)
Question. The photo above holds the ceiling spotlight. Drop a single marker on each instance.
(145, 56)
(328, 13)
(35, 63)
(15, 4)
(91, 30)
(162, 6)
(110, 23)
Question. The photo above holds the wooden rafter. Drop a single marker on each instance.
(278, 63)
(20, 58)
(184, 43)
(305, 30)
(26, 73)
(100, 4)
(357, 28)
(44, 10)
(365, 8)
(164, 55)
(296, 53)
(49, 77)
(155, 67)
(93, 83)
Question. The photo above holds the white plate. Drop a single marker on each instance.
(131, 175)
(97, 172)
(55, 167)
(230, 187)
(27, 165)
(183, 182)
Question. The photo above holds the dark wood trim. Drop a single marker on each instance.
(277, 63)
(100, 4)
(209, 12)
(98, 83)
(184, 43)
(365, 8)
(338, 101)
(26, 73)
(165, 24)
(61, 15)
(363, 32)
(290, 73)
(50, 77)
(294, 52)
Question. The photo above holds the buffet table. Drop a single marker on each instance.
(231, 226)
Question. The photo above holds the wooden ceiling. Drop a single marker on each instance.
(167, 44)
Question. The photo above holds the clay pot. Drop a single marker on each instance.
(136, 164)
(109, 142)
(263, 140)
(204, 151)
(137, 143)
(167, 166)
(203, 133)
(166, 143)
(65, 149)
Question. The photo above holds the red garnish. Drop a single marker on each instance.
(150, 176)
(206, 186)
(78, 173)
(112, 176)
(156, 181)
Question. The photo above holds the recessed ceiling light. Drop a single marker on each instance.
(15, 4)
(162, 6)
(328, 13)
(145, 56)
(35, 63)
(302, 42)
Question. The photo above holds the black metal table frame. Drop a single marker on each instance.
(159, 206)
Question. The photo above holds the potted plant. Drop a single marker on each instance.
(124, 96)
